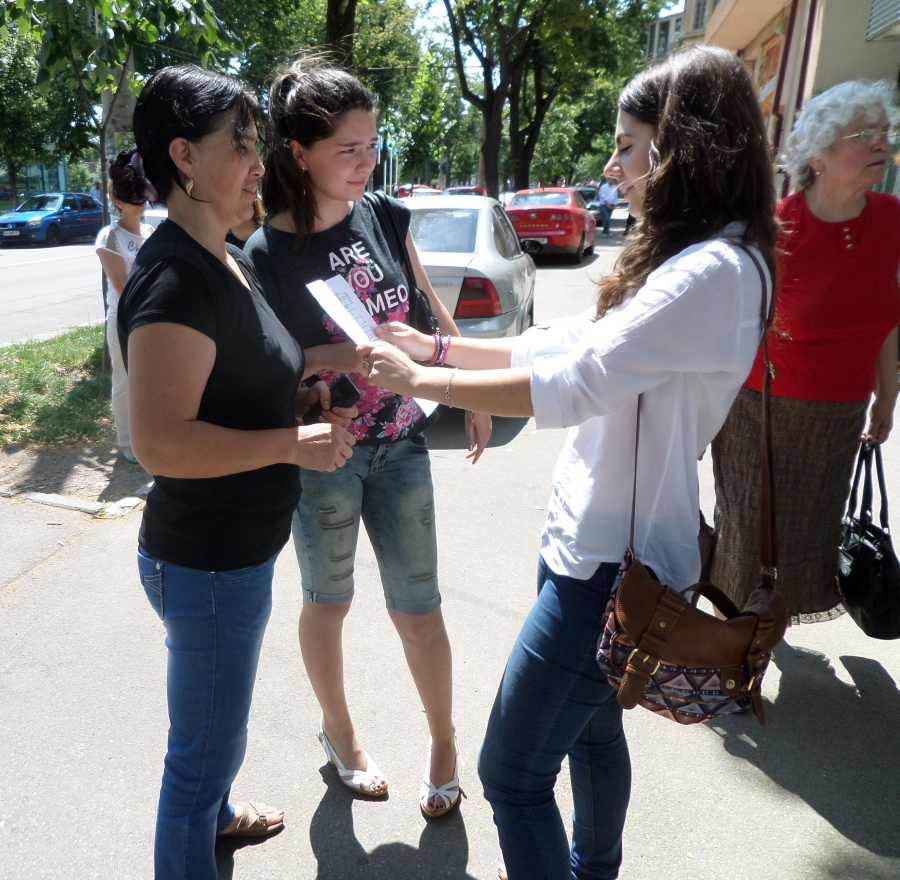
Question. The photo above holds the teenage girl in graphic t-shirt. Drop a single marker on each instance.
(117, 245)
(323, 132)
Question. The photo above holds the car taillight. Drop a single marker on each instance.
(478, 299)
(560, 216)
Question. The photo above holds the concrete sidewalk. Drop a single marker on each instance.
(816, 794)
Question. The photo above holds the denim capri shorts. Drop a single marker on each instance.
(388, 486)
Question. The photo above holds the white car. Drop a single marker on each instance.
(475, 263)
(154, 216)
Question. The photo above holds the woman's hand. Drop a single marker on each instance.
(313, 405)
(478, 432)
(881, 420)
(340, 357)
(323, 447)
(417, 345)
(389, 368)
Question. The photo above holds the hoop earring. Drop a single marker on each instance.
(189, 186)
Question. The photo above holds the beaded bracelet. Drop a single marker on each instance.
(446, 351)
(437, 349)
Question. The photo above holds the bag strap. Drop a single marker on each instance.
(879, 468)
(860, 463)
(768, 549)
(384, 211)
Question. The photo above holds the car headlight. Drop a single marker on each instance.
(35, 222)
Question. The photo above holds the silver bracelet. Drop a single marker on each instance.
(449, 380)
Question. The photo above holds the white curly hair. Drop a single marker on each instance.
(819, 123)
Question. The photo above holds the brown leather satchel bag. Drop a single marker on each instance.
(662, 652)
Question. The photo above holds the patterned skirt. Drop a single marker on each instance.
(815, 446)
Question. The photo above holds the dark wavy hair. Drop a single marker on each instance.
(710, 164)
(124, 183)
(187, 102)
(308, 100)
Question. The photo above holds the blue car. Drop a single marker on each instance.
(51, 217)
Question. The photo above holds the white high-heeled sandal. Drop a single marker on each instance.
(360, 781)
(449, 792)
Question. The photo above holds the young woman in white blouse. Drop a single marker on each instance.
(678, 321)
(117, 245)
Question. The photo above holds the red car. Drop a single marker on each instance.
(553, 220)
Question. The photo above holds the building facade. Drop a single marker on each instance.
(795, 49)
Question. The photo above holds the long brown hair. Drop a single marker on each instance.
(308, 100)
(710, 164)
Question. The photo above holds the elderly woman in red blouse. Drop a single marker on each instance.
(833, 343)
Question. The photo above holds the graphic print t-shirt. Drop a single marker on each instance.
(356, 249)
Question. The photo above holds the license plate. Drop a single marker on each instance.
(10, 231)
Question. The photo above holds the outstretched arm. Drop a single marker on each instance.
(470, 354)
(499, 392)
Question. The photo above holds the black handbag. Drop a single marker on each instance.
(420, 316)
(868, 570)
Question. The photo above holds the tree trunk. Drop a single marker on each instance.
(13, 182)
(492, 129)
(340, 24)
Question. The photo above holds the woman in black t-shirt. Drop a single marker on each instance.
(213, 378)
(323, 138)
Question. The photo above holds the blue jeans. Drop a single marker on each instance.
(215, 623)
(606, 214)
(554, 701)
(389, 487)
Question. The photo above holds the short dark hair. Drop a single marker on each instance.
(710, 163)
(187, 102)
(308, 100)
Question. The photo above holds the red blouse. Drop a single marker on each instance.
(836, 302)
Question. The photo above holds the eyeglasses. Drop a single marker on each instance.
(871, 135)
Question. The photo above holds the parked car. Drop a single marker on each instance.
(154, 216)
(51, 217)
(418, 191)
(407, 189)
(475, 263)
(553, 220)
(465, 191)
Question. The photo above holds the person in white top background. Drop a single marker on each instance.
(678, 321)
(609, 196)
(117, 246)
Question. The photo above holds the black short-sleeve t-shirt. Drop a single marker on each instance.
(357, 249)
(243, 519)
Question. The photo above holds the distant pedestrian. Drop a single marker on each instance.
(609, 197)
(96, 193)
(214, 380)
(692, 159)
(629, 225)
(323, 128)
(833, 343)
(117, 245)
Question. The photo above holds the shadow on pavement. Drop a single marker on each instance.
(449, 432)
(443, 850)
(832, 744)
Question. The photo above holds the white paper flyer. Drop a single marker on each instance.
(340, 301)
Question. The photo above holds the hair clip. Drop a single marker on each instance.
(145, 187)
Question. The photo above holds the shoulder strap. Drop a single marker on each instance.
(384, 211)
(768, 550)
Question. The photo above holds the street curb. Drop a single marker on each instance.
(97, 509)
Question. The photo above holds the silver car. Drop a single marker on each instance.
(475, 263)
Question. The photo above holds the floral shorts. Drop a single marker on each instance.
(389, 487)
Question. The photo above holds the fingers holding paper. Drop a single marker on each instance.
(387, 366)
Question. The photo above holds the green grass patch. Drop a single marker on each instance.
(55, 391)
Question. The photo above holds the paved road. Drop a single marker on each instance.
(44, 290)
(813, 796)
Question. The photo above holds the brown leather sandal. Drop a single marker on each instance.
(254, 821)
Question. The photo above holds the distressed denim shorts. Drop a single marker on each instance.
(388, 486)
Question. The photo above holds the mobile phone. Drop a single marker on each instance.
(344, 393)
